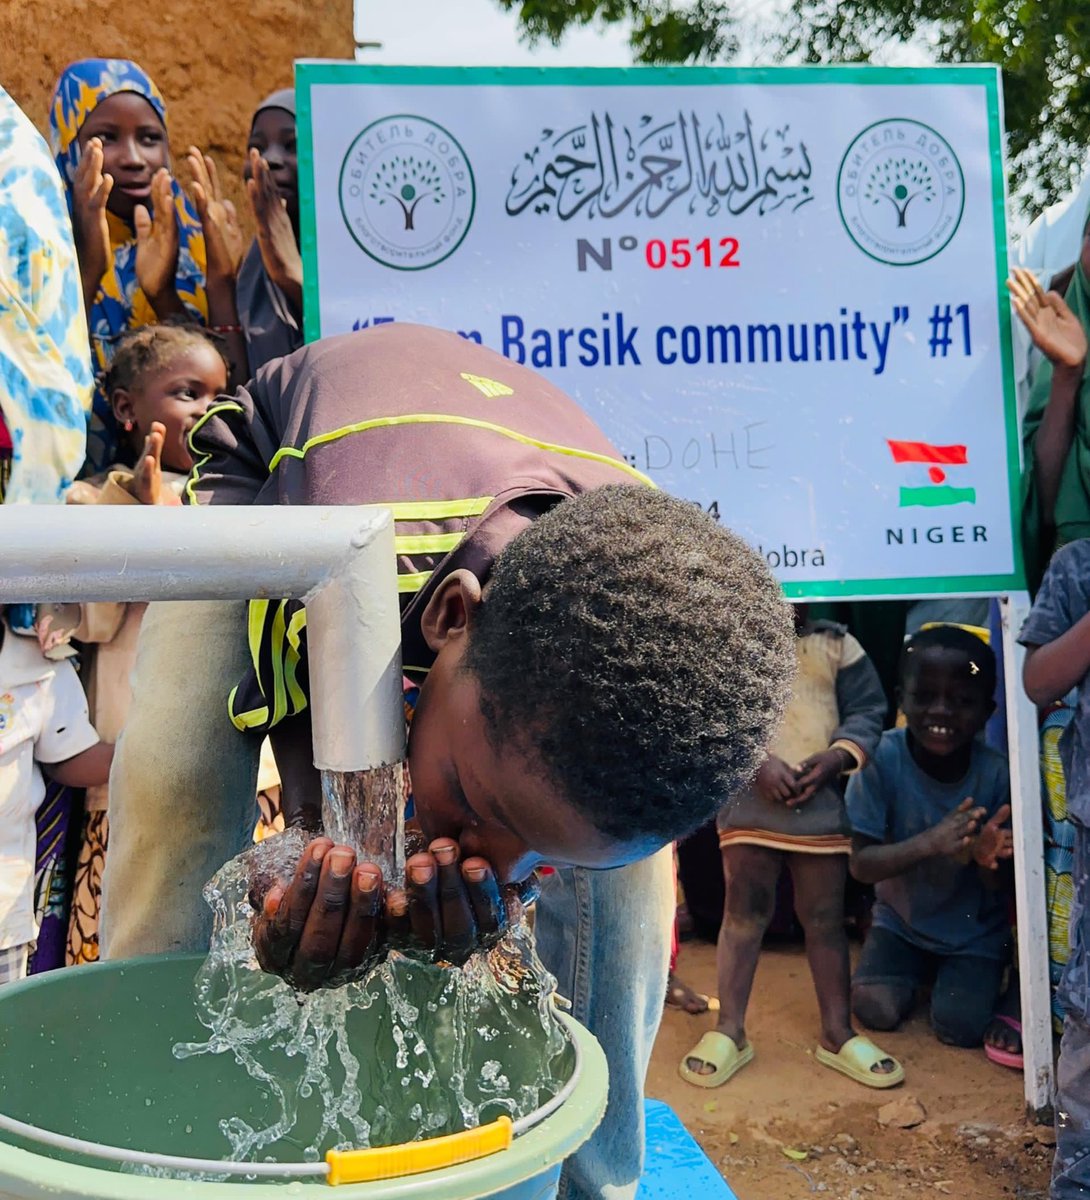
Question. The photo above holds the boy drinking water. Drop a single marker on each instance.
(927, 816)
(599, 664)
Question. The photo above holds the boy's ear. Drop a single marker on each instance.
(122, 405)
(451, 609)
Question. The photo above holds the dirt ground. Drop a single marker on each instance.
(213, 61)
(974, 1143)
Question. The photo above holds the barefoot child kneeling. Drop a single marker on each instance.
(794, 816)
(927, 817)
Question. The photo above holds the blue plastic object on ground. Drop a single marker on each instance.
(676, 1168)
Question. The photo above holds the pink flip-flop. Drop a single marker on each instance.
(1006, 1058)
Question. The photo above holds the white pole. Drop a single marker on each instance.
(1029, 867)
(339, 561)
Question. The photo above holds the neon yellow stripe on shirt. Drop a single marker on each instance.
(412, 582)
(248, 720)
(334, 435)
(296, 695)
(276, 648)
(194, 474)
(437, 510)
(427, 543)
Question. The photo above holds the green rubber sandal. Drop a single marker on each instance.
(721, 1052)
(856, 1059)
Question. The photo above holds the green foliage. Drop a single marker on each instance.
(1043, 47)
(662, 32)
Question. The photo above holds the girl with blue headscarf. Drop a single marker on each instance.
(147, 252)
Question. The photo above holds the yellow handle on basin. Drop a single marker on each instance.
(414, 1158)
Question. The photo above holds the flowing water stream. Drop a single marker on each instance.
(412, 1050)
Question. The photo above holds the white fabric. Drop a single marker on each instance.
(1050, 243)
(43, 718)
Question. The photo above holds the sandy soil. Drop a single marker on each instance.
(974, 1143)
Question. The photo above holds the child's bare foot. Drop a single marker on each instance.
(1002, 1038)
(680, 995)
(1002, 1035)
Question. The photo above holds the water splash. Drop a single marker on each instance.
(410, 1051)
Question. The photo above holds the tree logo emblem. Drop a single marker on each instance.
(900, 191)
(407, 192)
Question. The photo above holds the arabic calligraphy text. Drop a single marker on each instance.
(706, 162)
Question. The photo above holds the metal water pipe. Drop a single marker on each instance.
(340, 561)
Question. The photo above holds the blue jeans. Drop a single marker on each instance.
(182, 802)
(964, 987)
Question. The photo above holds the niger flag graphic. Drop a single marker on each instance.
(938, 491)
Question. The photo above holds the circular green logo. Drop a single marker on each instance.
(407, 192)
(900, 191)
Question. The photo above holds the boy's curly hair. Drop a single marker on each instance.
(980, 656)
(641, 653)
(153, 346)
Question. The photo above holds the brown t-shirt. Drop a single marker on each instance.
(464, 445)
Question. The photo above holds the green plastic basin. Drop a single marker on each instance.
(88, 1053)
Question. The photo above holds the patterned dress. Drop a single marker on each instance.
(45, 369)
(45, 395)
(1059, 853)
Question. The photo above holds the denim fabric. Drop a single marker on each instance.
(1071, 1169)
(964, 987)
(605, 935)
(182, 802)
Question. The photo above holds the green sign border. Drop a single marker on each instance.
(315, 73)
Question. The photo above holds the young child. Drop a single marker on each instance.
(43, 723)
(162, 381)
(927, 816)
(794, 816)
(1057, 635)
(270, 280)
(147, 253)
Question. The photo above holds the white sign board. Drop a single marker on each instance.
(778, 291)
